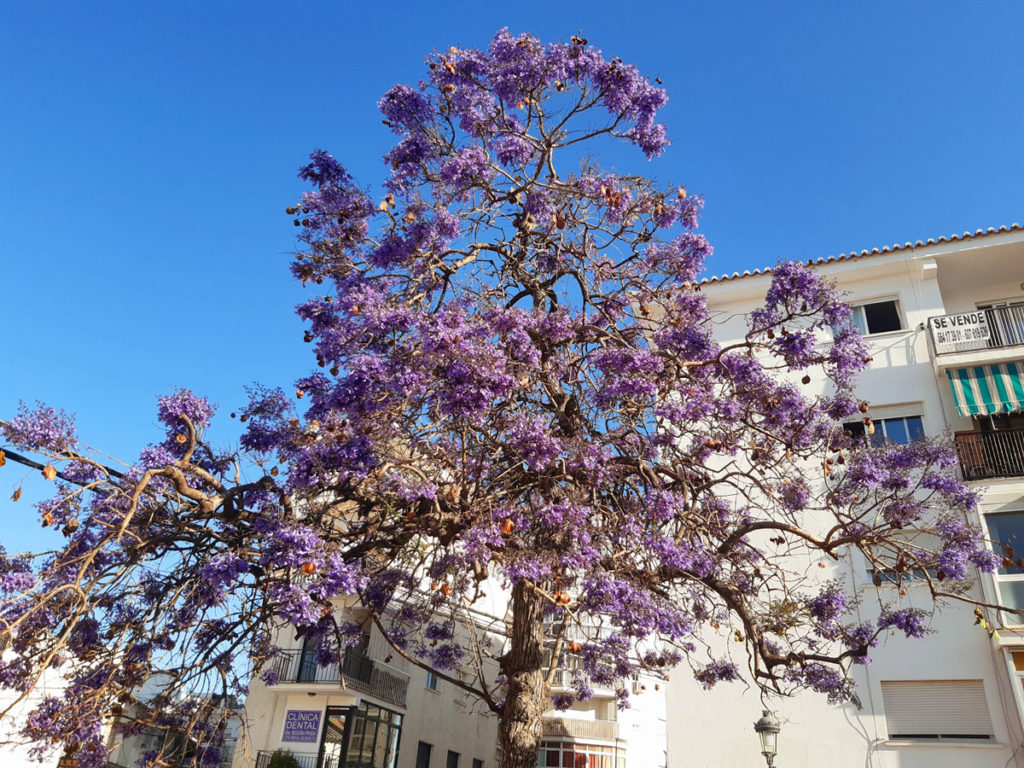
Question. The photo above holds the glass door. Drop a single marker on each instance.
(332, 748)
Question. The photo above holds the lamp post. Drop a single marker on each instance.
(768, 730)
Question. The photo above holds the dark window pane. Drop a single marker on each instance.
(881, 316)
(423, 755)
(551, 760)
(1007, 530)
(477, 763)
(453, 759)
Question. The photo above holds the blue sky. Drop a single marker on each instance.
(148, 150)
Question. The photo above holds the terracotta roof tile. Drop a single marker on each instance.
(873, 252)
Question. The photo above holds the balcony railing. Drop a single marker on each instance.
(304, 759)
(991, 454)
(579, 728)
(982, 329)
(357, 670)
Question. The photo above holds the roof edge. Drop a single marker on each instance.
(886, 249)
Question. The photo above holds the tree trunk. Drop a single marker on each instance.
(520, 724)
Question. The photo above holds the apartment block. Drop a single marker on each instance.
(945, 323)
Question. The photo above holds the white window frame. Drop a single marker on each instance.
(610, 755)
(432, 682)
(1016, 678)
(1007, 618)
(857, 307)
(879, 423)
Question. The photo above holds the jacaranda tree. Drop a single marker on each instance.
(517, 389)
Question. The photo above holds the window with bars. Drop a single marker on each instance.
(936, 710)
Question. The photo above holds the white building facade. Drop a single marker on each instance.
(377, 710)
(945, 323)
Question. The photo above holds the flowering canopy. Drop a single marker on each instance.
(517, 388)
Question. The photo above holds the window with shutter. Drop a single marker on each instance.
(936, 709)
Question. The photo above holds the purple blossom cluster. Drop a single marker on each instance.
(42, 429)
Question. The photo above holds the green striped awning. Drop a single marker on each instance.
(984, 389)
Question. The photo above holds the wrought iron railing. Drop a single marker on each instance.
(580, 729)
(356, 671)
(991, 454)
(304, 759)
(1005, 329)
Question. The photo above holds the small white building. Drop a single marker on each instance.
(377, 710)
(945, 323)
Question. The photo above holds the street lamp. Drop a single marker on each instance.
(768, 729)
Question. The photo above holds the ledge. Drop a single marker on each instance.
(941, 744)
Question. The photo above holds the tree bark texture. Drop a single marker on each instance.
(519, 728)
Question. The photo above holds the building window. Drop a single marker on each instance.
(453, 760)
(432, 682)
(903, 430)
(423, 751)
(876, 317)
(936, 710)
(567, 754)
(1017, 657)
(1006, 532)
(373, 736)
(893, 556)
(478, 763)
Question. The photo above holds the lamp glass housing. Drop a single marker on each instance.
(768, 730)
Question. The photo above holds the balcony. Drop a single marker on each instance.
(991, 328)
(304, 759)
(357, 671)
(986, 455)
(577, 728)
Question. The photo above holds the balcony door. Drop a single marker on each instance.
(307, 663)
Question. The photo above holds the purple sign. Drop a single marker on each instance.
(301, 725)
